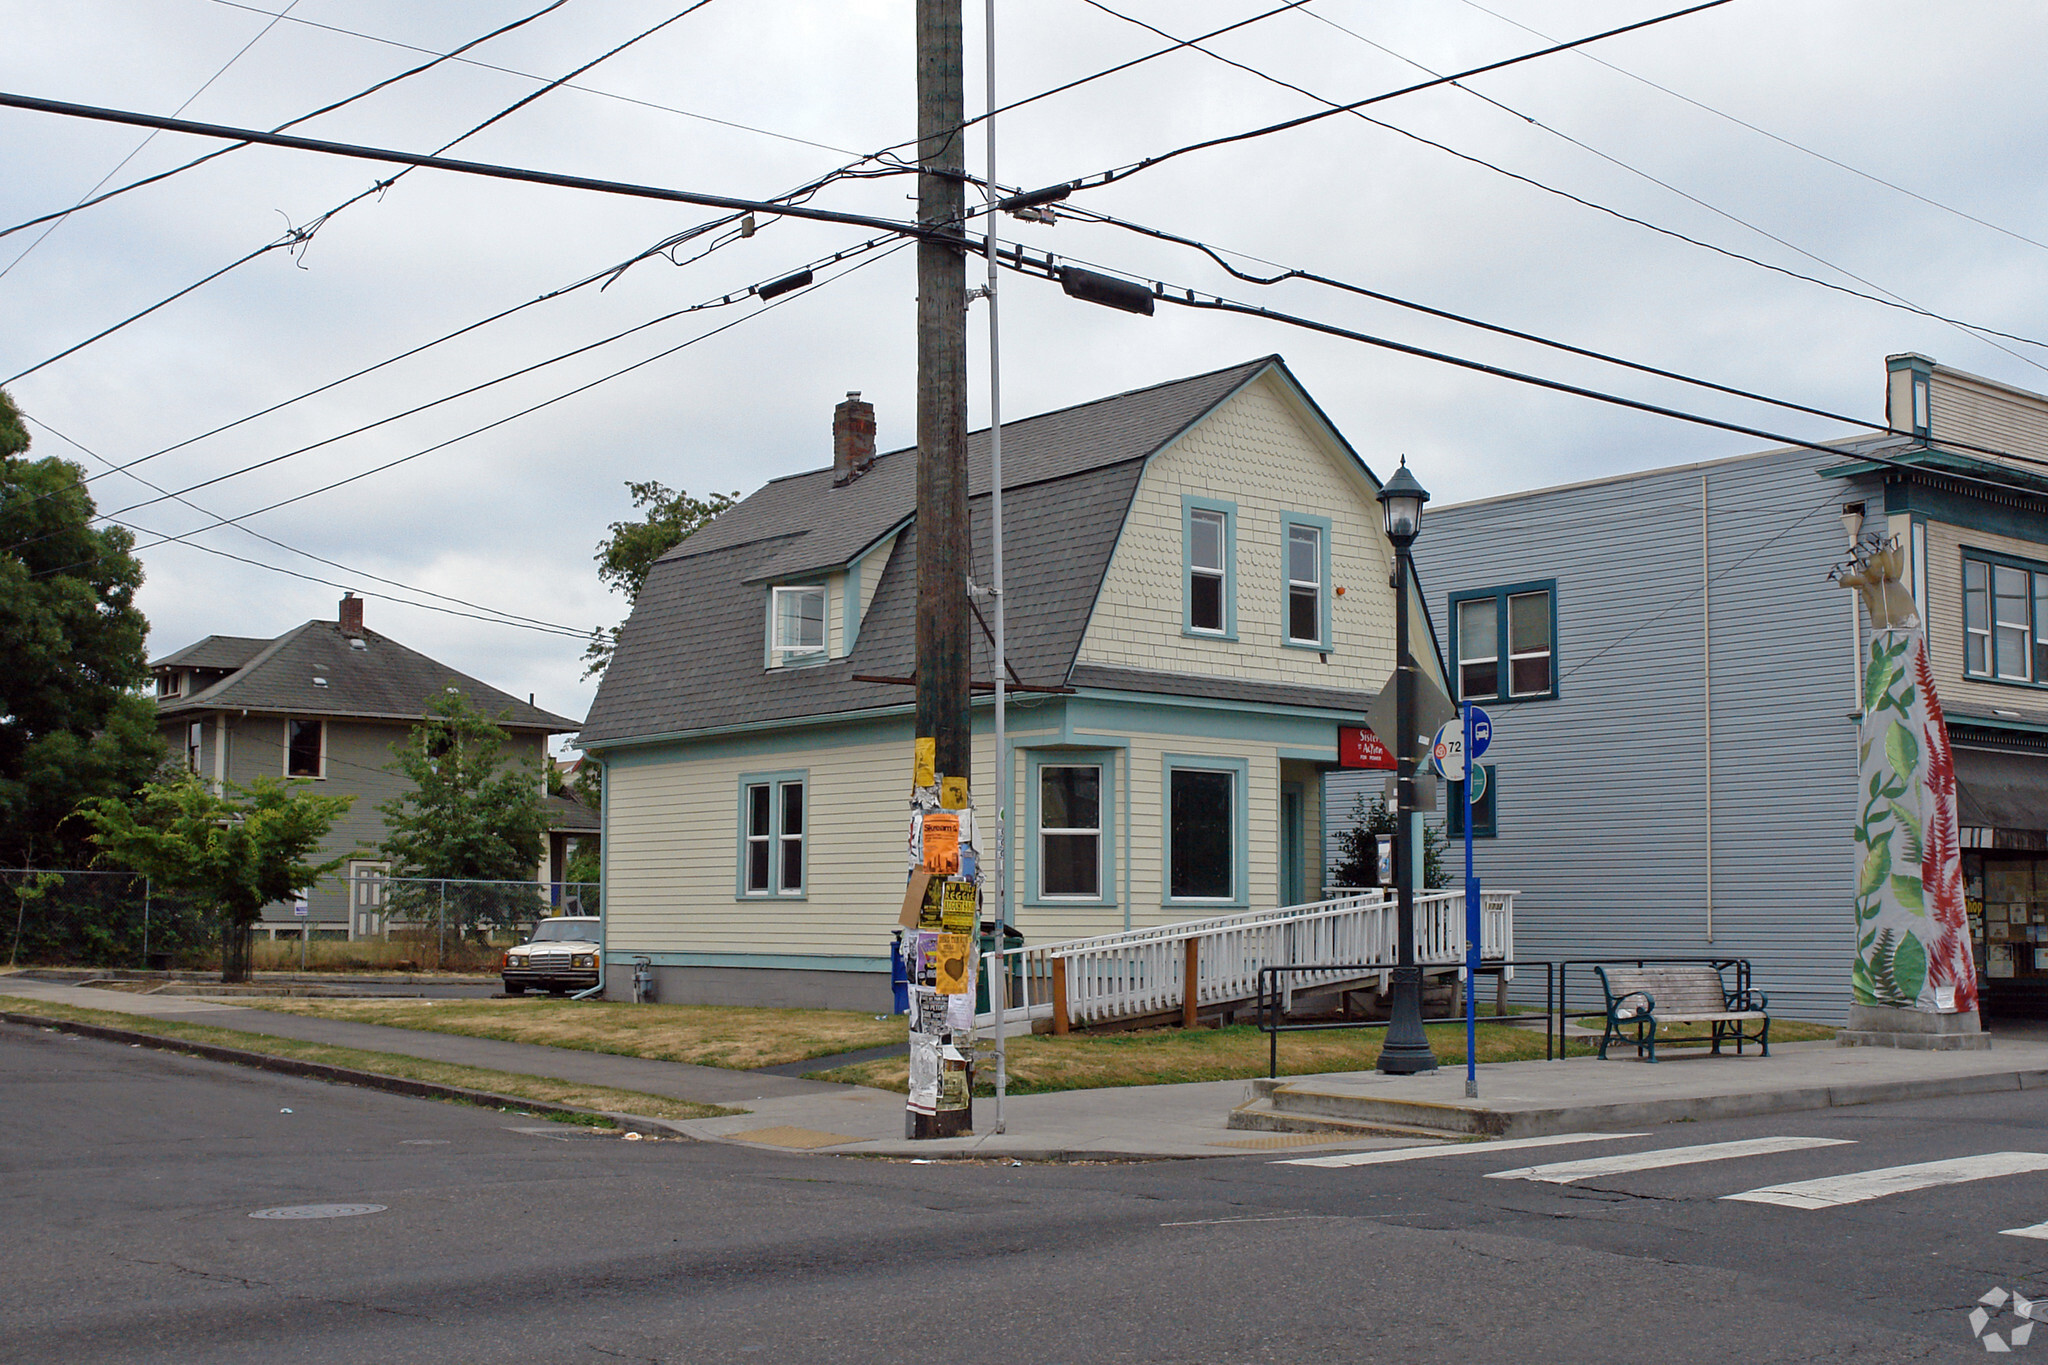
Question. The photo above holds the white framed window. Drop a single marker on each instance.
(1304, 584)
(2005, 621)
(305, 748)
(1479, 649)
(772, 835)
(195, 742)
(796, 625)
(1529, 644)
(1208, 569)
(1070, 831)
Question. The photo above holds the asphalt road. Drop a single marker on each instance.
(130, 1177)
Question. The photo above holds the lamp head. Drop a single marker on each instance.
(1401, 498)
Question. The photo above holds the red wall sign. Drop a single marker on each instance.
(1358, 747)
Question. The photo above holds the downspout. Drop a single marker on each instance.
(1707, 693)
(604, 881)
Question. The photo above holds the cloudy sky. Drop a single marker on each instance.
(1766, 128)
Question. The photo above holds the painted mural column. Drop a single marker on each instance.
(1914, 983)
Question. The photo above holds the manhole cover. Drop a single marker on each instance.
(318, 1211)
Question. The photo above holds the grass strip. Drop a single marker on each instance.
(1080, 1061)
(511, 1085)
(738, 1039)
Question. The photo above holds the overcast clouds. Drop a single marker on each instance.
(1944, 100)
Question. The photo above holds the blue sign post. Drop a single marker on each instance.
(1478, 735)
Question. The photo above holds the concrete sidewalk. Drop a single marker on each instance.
(1348, 1110)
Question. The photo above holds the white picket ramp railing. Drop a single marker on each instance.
(1147, 971)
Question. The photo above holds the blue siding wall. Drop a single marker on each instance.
(1602, 820)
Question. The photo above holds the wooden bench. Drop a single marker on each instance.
(1639, 999)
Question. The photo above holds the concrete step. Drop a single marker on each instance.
(1259, 1116)
(1303, 1100)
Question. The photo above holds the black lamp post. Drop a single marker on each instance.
(1406, 1050)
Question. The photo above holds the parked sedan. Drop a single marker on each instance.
(560, 957)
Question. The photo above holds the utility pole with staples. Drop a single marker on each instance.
(943, 844)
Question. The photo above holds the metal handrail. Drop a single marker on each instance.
(1272, 1012)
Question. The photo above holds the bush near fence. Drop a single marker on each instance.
(81, 918)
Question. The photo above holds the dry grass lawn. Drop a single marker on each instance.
(1081, 1061)
(539, 1088)
(739, 1039)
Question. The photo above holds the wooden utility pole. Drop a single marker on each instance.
(943, 643)
(943, 763)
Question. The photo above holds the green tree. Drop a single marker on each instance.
(1358, 856)
(471, 813)
(237, 851)
(73, 723)
(627, 554)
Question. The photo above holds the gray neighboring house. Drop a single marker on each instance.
(1673, 681)
(326, 701)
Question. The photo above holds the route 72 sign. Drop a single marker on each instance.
(1447, 750)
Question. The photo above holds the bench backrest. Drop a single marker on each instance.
(1676, 989)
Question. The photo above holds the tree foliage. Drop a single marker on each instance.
(237, 851)
(1358, 856)
(627, 554)
(472, 811)
(73, 726)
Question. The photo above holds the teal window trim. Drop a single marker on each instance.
(1189, 505)
(2037, 627)
(1500, 622)
(778, 784)
(1043, 757)
(1321, 644)
(1240, 834)
(1485, 816)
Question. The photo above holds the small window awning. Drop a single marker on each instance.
(2001, 791)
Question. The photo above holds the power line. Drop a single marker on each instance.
(777, 302)
(1114, 174)
(511, 618)
(1761, 132)
(1048, 268)
(535, 76)
(1217, 255)
(137, 151)
(93, 199)
(299, 236)
(1891, 299)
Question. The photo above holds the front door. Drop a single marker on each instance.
(1291, 892)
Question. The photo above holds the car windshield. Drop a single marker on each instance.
(565, 930)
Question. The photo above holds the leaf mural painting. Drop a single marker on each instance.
(1912, 934)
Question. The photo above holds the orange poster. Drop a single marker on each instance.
(941, 843)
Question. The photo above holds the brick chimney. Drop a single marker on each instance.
(351, 615)
(853, 439)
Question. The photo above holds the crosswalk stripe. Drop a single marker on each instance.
(2038, 1231)
(1854, 1188)
(1448, 1149)
(1565, 1172)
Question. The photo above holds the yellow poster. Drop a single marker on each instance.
(921, 774)
(941, 843)
(955, 961)
(953, 793)
(959, 907)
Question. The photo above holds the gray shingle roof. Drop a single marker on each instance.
(567, 815)
(691, 655)
(383, 681)
(215, 651)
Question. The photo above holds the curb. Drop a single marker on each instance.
(343, 1075)
(1454, 1120)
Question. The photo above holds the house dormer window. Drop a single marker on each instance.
(167, 684)
(1208, 554)
(796, 626)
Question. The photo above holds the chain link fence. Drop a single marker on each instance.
(81, 918)
(85, 918)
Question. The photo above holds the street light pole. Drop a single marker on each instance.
(1406, 1050)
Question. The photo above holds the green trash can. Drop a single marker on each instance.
(1010, 939)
